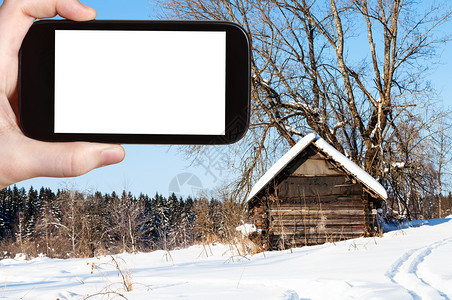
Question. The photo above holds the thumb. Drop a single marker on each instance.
(42, 159)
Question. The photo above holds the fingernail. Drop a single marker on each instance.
(112, 156)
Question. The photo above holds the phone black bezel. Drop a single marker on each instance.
(37, 81)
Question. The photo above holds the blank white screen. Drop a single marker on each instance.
(140, 82)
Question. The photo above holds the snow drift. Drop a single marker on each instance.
(410, 263)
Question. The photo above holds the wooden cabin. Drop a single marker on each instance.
(313, 195)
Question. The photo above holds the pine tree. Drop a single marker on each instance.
(49, 221)
(32, 207)
(5, 221)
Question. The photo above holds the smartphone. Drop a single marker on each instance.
(135, 82)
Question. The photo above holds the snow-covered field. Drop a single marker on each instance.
(413, 263)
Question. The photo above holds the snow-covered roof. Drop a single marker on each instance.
(281, 164)
(352, 168)
(335, 155)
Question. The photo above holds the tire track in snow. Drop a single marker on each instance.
(404, 272)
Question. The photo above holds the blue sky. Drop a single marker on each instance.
(148, 169)
(151, 169)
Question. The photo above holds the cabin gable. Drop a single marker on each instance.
(316, 165)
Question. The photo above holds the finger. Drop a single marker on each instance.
(16, 17)
(41, 159)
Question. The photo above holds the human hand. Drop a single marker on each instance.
(21, 157)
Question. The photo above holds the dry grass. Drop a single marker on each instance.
(115, 289)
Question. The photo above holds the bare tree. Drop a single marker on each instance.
(442, 154)
(72, 203)
(127, 217)
(352, 71)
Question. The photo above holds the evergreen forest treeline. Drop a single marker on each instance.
(69, 223)
(73, 224)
